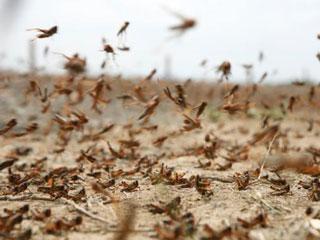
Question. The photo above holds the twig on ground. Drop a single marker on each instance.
(92, 216)
(85, 212)
(220, 179)
(25, 198)
(266, 154)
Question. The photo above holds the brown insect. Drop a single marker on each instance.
(97, 135)
(75, 64)
(129, 143)
(124, 48)
(107, 47)
(140, 94)
(314, 186)
(28, 129)
(45, 33)
(7, 163)
(43, 95)
(190, 124)
(97, 93)
(54, 227)
(159, 141)
(278, 191)
(292, 101)
(224, 233)
(260, 219)
(318, 56)
(265, 121)
(68, 124)
(179, 99)
(200, 109)
(225, 70)
(113, 152)
(12, 219)
(203, 186)
(232, 108)
(150, 107)
(185, 24)
(88, 156)
(210, 146)
(172, 208)
(150, 75)
(123, 28)
(232, 91)
(9, 125)
(20, 188)
(41, 215)
(129, 187)
(242, 180)
(263, 77)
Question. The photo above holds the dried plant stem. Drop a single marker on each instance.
(220, 179)
(266, 154)
(110, 228)
(25, 198)
(84, 211)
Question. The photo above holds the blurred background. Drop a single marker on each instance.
(235, 30)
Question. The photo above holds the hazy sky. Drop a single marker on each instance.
(234, 30)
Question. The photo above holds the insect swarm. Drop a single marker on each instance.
(110, 155)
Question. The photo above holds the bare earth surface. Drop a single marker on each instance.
(204, 183)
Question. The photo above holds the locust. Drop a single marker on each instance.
(123, 28)
(186, 23)
(224, 69)
(45, 33)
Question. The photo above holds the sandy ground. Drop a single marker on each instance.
(285, 214)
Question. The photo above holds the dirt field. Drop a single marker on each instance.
(120, 159)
